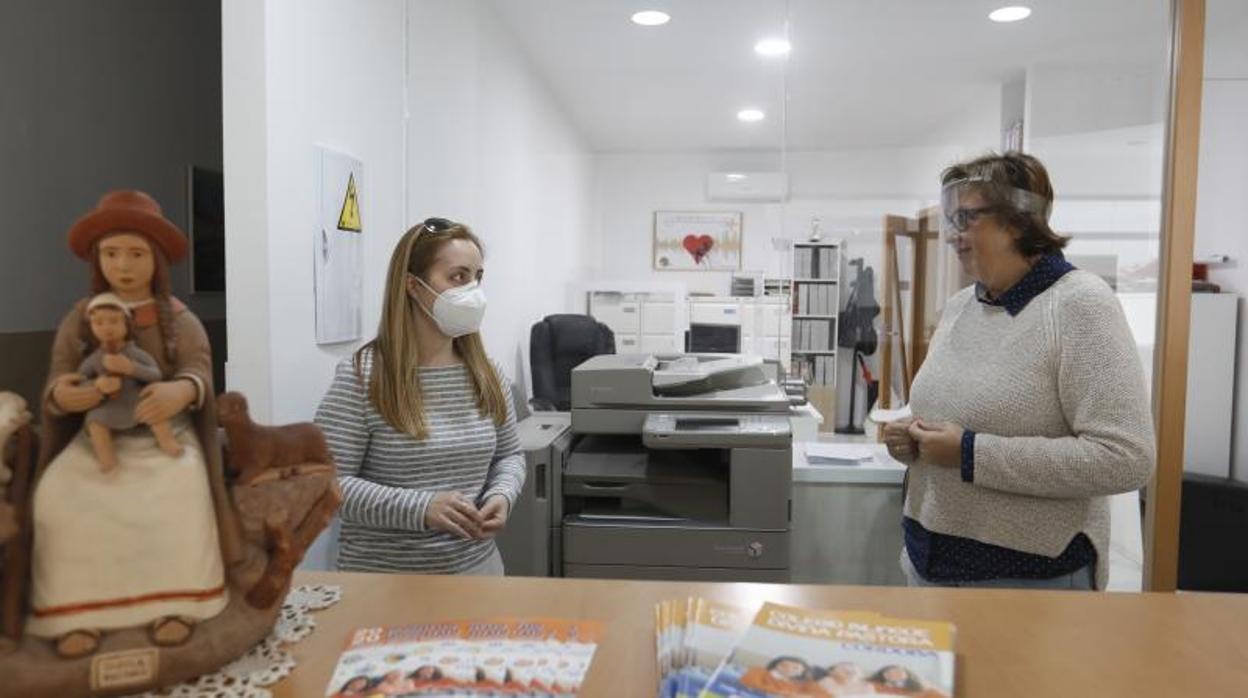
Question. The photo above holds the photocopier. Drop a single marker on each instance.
(669, 467)
(681, 469)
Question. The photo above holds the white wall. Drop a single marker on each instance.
(483, 145)
(97, 96)
(1099, 129)
(244, 111)
(1222, 185)
(299, 74)
(489, 145)
(850, 191)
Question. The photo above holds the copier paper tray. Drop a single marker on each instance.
(608, 476)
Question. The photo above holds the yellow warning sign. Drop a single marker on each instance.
(349, 219)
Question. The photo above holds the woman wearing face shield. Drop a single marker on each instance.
(1030, 408)
(420, 422)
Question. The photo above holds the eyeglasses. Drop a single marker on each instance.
(963, 218)
(437, 225)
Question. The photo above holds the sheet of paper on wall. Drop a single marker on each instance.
(883, 416)
(338, 272)
(838, 454)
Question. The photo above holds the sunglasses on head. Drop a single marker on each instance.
(437, 225)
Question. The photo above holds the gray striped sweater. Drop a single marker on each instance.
(388, 477)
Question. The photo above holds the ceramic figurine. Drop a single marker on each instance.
(255, 449)
(161, 563)
(119, 367)
(13, 416)
(140, 564)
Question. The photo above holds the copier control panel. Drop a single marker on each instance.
(715, 430)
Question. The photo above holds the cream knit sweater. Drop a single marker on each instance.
(1056, 397)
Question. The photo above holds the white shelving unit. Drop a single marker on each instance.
(816, 303)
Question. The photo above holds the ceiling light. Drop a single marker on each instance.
(1010, 14)
(773, 47)
(734, 176)
(751, 115)
(651, 18)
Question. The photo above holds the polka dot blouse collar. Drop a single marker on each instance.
(1046, 271)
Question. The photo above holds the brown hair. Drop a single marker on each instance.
(999, 174)
(395, 350)
(162, 291)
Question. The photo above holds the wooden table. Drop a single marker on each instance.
(1010, 643)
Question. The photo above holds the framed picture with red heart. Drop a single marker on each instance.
(697, 240)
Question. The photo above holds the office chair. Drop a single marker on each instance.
(558, 344)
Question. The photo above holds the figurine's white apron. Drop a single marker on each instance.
(123, 548)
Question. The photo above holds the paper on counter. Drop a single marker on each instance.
(838, 453)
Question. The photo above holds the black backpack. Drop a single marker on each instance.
(857, 329)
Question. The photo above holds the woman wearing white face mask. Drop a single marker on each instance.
(420, 423)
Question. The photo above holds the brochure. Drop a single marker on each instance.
(788, 651)
(494, 657)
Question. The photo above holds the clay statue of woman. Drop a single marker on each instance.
(149, 542)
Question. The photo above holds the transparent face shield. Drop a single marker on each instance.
(965, 201)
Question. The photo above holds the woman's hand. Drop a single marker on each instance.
(454, 513)
(939, 443)
(119, 364)
(160, 402)
(72, 395)
(901, 445)
(494, 515)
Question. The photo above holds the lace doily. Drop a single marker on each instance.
(267, 663)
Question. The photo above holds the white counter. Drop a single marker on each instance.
(846, 526)
(882, 470)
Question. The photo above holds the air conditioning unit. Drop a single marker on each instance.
(747, 186)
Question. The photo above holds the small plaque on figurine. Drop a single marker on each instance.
(128, 669)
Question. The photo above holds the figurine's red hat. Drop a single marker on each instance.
(128, 211)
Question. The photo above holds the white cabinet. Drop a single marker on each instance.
(621, 312)
(1210, 384)
(763, 323)
(645, 318)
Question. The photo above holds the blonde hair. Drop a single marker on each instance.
(394, 384)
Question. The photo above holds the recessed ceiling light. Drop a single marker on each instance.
(751, 115)
(651, 18)
(734, 176)
(773, 47)
(1010, 14)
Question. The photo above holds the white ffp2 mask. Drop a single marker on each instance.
(456, 311)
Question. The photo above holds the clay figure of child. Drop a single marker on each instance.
(119, 368)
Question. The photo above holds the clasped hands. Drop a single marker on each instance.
(933, 443)
(459, 516)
